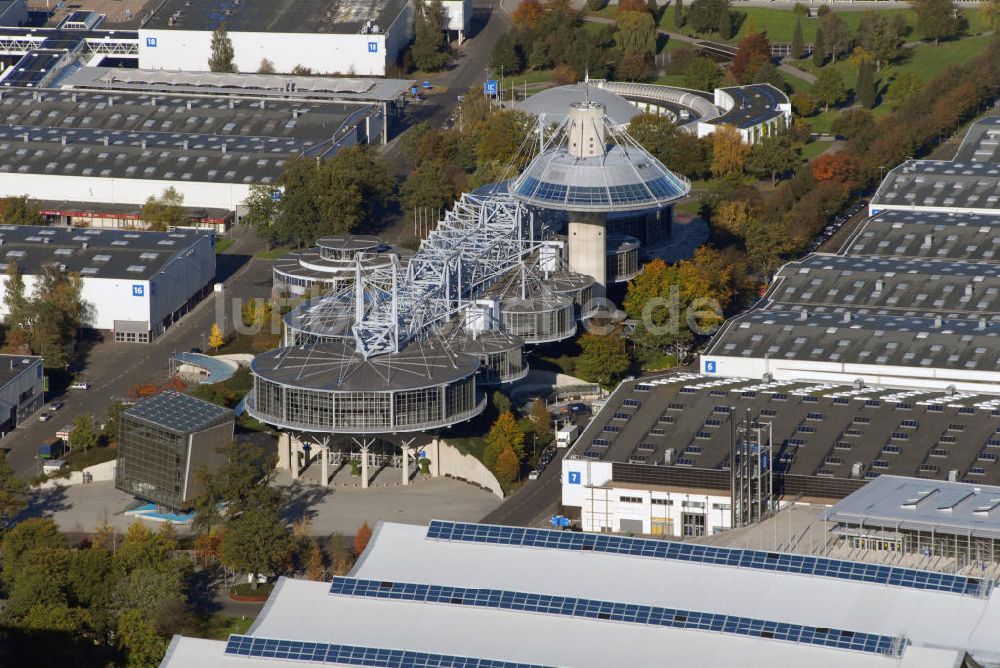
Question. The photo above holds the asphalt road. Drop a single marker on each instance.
(113, 368)
(535, 501)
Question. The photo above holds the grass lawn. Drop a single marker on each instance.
(219, 627)
(77, 460)
(813, 149)
(274, 253)
(222, 244)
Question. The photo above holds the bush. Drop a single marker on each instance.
(823, 10)
(596, 5)
(800, 9)
(803, 104)
(564, 74)
(355, 467)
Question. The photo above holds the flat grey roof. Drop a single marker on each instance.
(180, 413)
(924, 505)
(819, 429)
(862, 339)
(941, 183)
(168, 137)
(290, 16)
(927, 234)
(223, 84)
(12, 366)
(887, 286)
(95, 253)
(981, 142)
(754, 104)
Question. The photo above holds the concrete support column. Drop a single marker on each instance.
(588, 249)
(285, 451)
(325, 466)
(406, 465)
(364, 464)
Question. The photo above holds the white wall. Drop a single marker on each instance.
(111, 298)
(121, 191)
(459, 13)
(876, 207)
(588, 486)
(874, 375)
(448, 460)
(190, 50)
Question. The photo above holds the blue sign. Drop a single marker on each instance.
(138, 290)
(559, 521)
(413, 91)
(426, 84)
(709, 366)
(575, 478)
(491, 87)
(276, 195)
(372, 47)
(422, 454)
(151, 42)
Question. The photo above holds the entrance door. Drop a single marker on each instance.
(692, 524)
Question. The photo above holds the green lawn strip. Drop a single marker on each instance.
(815, 148)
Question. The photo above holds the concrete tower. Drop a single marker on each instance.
(588, 170)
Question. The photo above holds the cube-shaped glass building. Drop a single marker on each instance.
(163, 441)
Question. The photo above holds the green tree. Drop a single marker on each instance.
(829, 89)
(507, 56)
(603, 359)
(20, 539)
(679, 13)
(90, 577)
(636, 33)
(683, 151)
(881, 37)
(166, 211)
(149, 588)
(429, 187)
(19, 210)
(798, 42)
(15, 301)
(265, 67)
(837, 36)
(13, 493)
(144, 647)
(772, 157)
(541, 418)
(144, 548)
(500, 402)
(83, 436)
(707, 15)
(256, 542)
(111, 421)
(766, 242)
(866, 89)
(430, 50)
(239, 482)
(221, 59)
(819, 49)
(903, 85)
(56, 312)
(263, 207)
(937, 19)
(991, 13)
(702, 74)
(725, 24)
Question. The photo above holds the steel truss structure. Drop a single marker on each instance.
(479, 240)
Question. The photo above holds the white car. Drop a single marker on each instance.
(80, 385)
(44, 417)
(534, 475)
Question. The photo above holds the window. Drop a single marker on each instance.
(909, 424)
(768, 412)
(904, 407)
(692, 504)
(630, 499)
(841, 401)
(620, 416)
(722, 409)
(662, 502)
(861, 419)
(676, 407)
(815, 417)
(713, 423)
(631, 403)
(721, 506)
(703, 435)
(899, 436)
(611, 429)
(872, 403)
(956, 427)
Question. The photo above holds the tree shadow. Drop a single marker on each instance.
(44, 502)
(301, 501)
(202, 588)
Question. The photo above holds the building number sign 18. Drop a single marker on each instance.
(151, 42)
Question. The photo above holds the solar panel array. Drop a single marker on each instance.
(618, 612)
(707, 554)
(354, 655)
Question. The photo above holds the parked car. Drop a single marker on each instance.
(44, 417)
(579, 409)
(80, 385)
(56, 405)
(534, 475)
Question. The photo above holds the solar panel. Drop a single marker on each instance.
(721, 556)
(354, 655)
(567, 606)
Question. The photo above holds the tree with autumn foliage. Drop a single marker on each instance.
(836, 167)
(361, 538)
(753, 53)
(504, 434)
(528, 13)
(729, 153)
(508, 466)
(604, 358)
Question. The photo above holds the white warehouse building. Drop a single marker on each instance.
(135, 284)
(327, 36)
